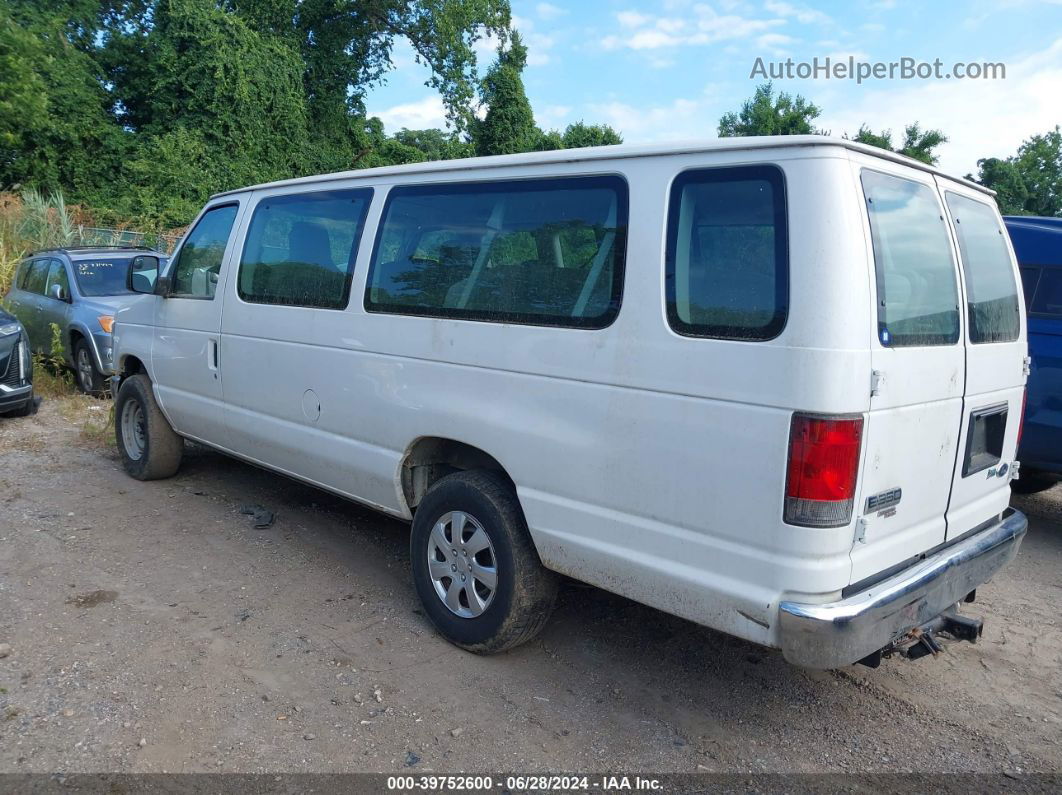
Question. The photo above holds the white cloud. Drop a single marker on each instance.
(486, 47)
(549, 11)
(679, 119)
(661, 62)
(705, 26)
(802, 14)
(982, 118)
(551, 116)
(774, 43)
(419, 115)
(538, 49)
(633, 19)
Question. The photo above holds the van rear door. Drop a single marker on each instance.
(911, 438)
(995, 342)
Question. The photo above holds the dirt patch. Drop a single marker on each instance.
(302, 647)
(92, 598)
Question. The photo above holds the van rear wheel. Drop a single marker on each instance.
(149, 447)
(474, 566)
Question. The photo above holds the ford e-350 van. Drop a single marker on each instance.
(771, 385)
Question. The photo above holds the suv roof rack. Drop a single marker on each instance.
(90, 248)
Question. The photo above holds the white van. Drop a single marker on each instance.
(771, 385)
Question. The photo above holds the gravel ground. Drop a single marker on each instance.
(147, 627)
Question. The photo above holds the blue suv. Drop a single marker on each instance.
(78, 289)
(1038, 247)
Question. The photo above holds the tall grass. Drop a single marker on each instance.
(31, 221)
(34, 220)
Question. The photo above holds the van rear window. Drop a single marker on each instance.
(727, 253)
(541, 252)
(992, 293)
(918, 297)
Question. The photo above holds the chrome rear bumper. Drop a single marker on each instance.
(836, 634)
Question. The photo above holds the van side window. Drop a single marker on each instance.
(918, 297)
(301, 249)
(992, 294)
(1048, 300)
(198, 265)
(727, 258)
(541, 252)
(1029, 278)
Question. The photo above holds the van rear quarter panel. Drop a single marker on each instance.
(647, 463)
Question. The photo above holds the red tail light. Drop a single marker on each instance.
(823, 465)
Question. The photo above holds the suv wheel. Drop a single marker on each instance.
(149, 447)
(474, 566)
(88, 377)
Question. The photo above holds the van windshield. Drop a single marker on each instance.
(102, 276)
(993, 294)
(918, 297)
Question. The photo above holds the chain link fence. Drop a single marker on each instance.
(101, 236)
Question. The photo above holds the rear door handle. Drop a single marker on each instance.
(213, 361)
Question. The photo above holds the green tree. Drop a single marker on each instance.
(576, 136)
(23, 100)
(435, 144)
(766, 114)
(509, 125)
(346, 47)
(56, 129)
(1030, 182)
(581, 134)
(917, 143)
(1005, 178)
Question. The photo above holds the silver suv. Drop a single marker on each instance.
(77, 289)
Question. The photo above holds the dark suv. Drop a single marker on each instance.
(78, 289)
(16, 368)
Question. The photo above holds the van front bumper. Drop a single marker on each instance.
(836, 634)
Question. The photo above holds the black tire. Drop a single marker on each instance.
(1032, 484)
(88, 378)
(160, 448)
(525, 590)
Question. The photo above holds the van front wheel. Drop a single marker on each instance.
(149, 447)
(474, 566)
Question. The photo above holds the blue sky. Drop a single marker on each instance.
(668, 70)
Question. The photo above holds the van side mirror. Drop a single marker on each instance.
(57, 292)
(143, 275)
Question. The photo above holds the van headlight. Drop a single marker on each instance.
(9, 329)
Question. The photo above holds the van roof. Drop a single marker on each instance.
(1036, 240)
(611, 153)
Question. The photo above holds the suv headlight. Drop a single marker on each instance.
(9, 329)
(25, 360)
